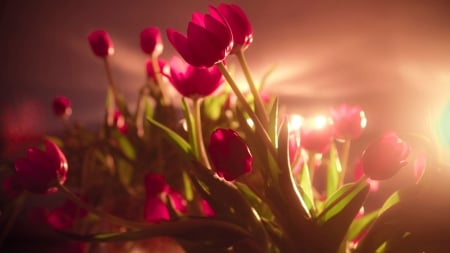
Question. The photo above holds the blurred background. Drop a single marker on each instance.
(390, 57)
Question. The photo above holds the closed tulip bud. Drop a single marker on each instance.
(349, 121)
(229, 154)
(151, 42)
(385, 157)
(208, 41)
(316, 135)
(62, 107)
(41, 171)
(101, 44)
(240, 25)
(192, 81)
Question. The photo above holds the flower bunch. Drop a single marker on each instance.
(227, 171)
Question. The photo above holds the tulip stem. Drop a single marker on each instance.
(100, 213)
(199, 133)
(344, 160)
(258, 125)
(15, 210)
(260, 111)
(158, 79)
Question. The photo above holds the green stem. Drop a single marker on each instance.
(138, 115)
(16, 208)
(158, 79)
(260, 111)
(202, 156)
(100, 213)
(258, 125)
(344, 160)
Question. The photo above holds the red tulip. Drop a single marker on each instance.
(101, 44)
(239, 24)
(385, 157)
(358, 172)
(62, 107)
(192, 81)
(208, 41)
(349, 121)
(42, 171)
(229, 154)
(151, 42)
(316, 137)
(157, 192)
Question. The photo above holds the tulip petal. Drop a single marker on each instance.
(180, 42)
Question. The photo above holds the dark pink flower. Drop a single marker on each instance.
(349, 121)
(62, 107)
(229, 154)
(316, 138)
(101, 44)
(151, 71)
(208, 41)
(240, 25)
(192, 81)
(151, 42)
(157, 193)
(385, 157)
(65, 216)
(41, 171)
(206, 208)
(11, 186)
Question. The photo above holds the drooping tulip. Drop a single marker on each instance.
(229, 154)
(192, 81)
(41, 171)
(208, 41)
(101, 43)
(240, 25)
(151, 42)
(62, 107)
(385, 157)
(349, 121)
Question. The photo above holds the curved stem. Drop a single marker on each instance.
(258, 125)
(158, 79)
(100, 213)
(199, 133)
(260, 111)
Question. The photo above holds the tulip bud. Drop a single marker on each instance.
(62, 107)
(151, 42)
(349, 122)
(101, 44)
(41, 171)
(229, 154)
(240, 25)
(385, 157)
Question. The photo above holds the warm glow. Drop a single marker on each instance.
(295, 122)
(320, 121)
(363, 119)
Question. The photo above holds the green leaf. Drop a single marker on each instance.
(212, 106)
(124, 172)
(125, 145)
(359, 225)
(306, 186)
(333, 171)
(273, 123)
(174, 137)
(187, 186)
(256, 202)
(190, 122)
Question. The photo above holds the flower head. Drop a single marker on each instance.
(101, 44)
(208, 41)
(151, 42)
(316, 136)
(240, 25)
(385, 157)
(62, 107)
(229, 154)
(41, 171)
(192, 81)
(349, 121)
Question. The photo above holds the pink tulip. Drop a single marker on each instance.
(41, 171)
(229, 154)
(316, 139)
(192, 81)
(151, 42)
(101, 44)
(62, 107)
(385, 157)
(239, 24)
(208, 41)
(358, 172)
(65, 216)
(349, 121)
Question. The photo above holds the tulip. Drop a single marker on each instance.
(208, 41)
(349, 121)
(151, 42)
(385, 157)
(62, 107)
(239, 24)
(101, 44)
(358, 173)
(157, 192)
(192, 81)
(42, 171)
(229, 154)
(151, 71)
(65, 216)
(317, 137)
